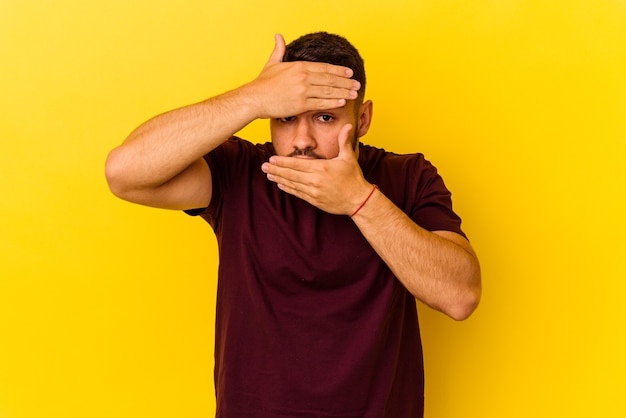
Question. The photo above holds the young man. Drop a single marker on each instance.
(324, 242)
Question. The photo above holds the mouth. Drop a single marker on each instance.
(306, 154)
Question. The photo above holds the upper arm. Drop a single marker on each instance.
(190, 189)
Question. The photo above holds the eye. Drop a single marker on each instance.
(287, 119)
(325, 118)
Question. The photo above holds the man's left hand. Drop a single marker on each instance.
(335, 185)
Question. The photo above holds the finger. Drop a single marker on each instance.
(339, 70)
(332, 80)
(294, 180)
(278, 52)
(345, 141)
(298, 164)
(324, 104)
(293, 172)
(327, 92)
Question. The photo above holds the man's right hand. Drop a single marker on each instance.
(160, 163)
(290, 88)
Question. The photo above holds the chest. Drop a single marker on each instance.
(287, 242)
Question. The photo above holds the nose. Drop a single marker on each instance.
(303, 136)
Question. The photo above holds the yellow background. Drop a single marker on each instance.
(106, 308)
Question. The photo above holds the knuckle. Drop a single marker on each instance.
(300, 78)
(322, 104)
(314, 182)
(300, 90)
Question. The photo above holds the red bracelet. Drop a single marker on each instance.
(365, 201)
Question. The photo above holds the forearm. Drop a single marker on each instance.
(440, 270)
(167, 144)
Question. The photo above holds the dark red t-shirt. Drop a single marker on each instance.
(310, 321)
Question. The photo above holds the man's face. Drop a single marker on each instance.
(315, 134)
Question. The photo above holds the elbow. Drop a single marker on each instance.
(465, 305)
(115, 174)
(468, 297)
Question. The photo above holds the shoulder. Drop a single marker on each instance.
(377, 160)
(236, 152)
(239, 145)
(409, 180)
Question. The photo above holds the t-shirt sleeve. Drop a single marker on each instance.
(431, 206)
(222, 162)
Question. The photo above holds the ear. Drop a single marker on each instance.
(364, 117)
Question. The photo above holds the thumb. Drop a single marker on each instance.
(278, 52)
(345, 141)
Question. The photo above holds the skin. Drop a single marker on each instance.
(160, 164)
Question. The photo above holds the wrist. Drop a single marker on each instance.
(373, 190)
(251, 100)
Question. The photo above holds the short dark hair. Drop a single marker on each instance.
(329, 48)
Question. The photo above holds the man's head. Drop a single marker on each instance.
(329, 48)
(315, 134)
